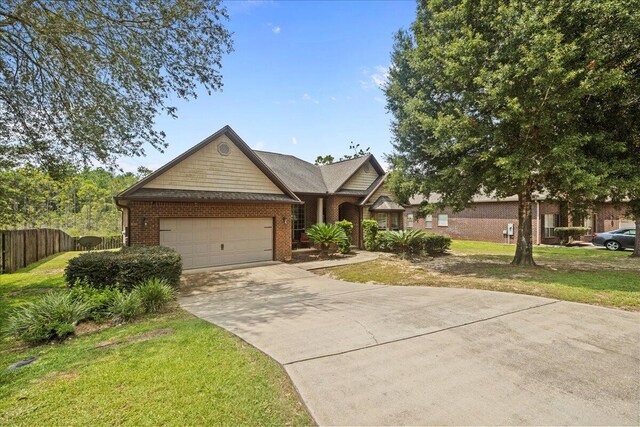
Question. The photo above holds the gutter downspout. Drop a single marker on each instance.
(127, 231)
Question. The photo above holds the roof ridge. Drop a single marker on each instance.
(346, 160)
(288, 155)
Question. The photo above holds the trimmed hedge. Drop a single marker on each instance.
(412, 241)
(347, 226)
(567, 234)
(126, 268)
(370, 230)
(435, 244)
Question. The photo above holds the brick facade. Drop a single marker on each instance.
(144, 221)
(486, 221)
(350, 211)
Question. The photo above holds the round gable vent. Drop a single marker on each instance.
(366, 168)
(224, 149)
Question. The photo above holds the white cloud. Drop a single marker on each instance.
(307, 97)
(376, 77)
(333, 98)
(276, 30)
(294, 140)
(258, 145)
(379, 99)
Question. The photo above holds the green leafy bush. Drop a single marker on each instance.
(435, 244)
(402, 242)
(154, 294)
(567, 234)
(412, 241)
(126, 268)
(51, 317)
(98, 300)
(370, 230)
(326, 235)
(125, 307)
(347, 227)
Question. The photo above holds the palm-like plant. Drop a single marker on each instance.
(325, 235)
(404, 241)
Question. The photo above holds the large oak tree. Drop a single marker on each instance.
(85, 79)
(506, 97)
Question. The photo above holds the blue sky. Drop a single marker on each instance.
(303, 79)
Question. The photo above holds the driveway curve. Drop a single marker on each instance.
(363, 354)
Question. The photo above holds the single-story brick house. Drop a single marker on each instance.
(223, 203)
(489, 219)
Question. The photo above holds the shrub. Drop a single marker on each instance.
(568, 234)
(347, 227)
(370, 230)
(98, 300)
(154, 294)
(51, 317)
(403, 242)
(325, 235)
(435, 244)
(125, 268)
(125, 306)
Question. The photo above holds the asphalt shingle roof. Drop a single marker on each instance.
(304, 177)
(200, 195)
(300, 176)
(335, 174)
(385, 204)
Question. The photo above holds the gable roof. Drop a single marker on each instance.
(235, 138)
(336, 174)
(385, 204)
(306, 178)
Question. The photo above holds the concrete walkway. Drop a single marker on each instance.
(358, 258)
(380, 355)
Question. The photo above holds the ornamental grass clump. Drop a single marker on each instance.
(51, 317)
(155, 294)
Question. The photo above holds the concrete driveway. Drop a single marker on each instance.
(379, 355)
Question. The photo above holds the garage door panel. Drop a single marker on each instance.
(200, 241)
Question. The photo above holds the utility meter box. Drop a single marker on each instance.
(510, 229)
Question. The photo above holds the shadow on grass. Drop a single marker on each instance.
(499, 267)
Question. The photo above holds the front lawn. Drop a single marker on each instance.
(168, 369)
(590, 276)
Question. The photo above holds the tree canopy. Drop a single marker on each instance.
(85, 80)
(516, 97)
(79, 203)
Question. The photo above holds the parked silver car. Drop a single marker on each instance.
(616, 240)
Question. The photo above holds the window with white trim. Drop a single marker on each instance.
(428, 221)
(549, 225)
(443, 220)
(409, 220)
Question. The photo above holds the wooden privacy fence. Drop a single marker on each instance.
(19, 248)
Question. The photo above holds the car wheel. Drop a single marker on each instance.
(612, 245)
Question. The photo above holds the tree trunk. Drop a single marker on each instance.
(524, 244)
(636, 248)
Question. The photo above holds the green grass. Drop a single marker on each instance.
(169, 369)
(572, 274)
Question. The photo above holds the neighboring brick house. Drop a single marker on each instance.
(489, 219)
(223, 203)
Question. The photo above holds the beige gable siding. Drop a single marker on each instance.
(381, 191)
(362, 179)
(208, 170)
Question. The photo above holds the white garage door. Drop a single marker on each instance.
(210, 242)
